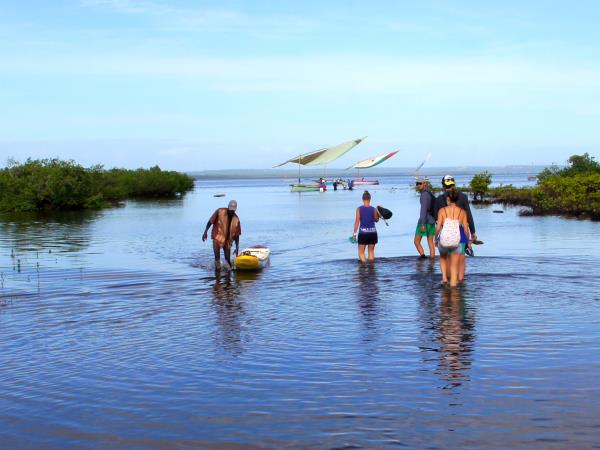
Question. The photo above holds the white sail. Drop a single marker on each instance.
(374, 161)
(325, 155)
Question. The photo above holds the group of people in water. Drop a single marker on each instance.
(446, 221)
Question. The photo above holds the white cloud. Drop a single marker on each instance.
(204, 19)
(329, 74)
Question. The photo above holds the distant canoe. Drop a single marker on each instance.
(362, 181)
(298, 187)
(219, 195)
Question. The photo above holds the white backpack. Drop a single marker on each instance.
(450, 234)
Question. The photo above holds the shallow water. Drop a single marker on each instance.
(115, 330)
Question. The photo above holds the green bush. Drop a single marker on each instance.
(573, 190)
(573, 195)
(576, 165)
(511, 195)
(52, 184)
(480, 184)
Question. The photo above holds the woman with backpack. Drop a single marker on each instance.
(448, 234)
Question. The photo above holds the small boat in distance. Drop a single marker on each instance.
(362, 181)
(367, 164)
(300, 187)
(319, 157)
(531, 178)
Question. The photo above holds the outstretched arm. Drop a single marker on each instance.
(467, 208)
(210, 222)
(356, 222)
(425, 206)
(466, 227)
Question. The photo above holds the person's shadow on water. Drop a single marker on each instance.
(367, 296)
(229, 309)
(447, 326)
(456, 335)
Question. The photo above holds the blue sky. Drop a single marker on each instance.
(194, 85)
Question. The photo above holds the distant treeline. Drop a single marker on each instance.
(331, 172)
(573, 190)
(53, 184)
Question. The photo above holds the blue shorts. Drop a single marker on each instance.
(450, 250)
(463, 240)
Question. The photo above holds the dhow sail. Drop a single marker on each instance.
(325, 155)
(372, 162)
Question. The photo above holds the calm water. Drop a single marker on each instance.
(115, 330)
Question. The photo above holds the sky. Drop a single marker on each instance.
(200, 85)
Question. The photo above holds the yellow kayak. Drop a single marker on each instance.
(252, 258)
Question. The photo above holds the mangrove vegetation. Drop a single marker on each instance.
(573, 190)
(57, 185)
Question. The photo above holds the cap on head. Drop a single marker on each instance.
(421, 180)
(448, 181)
(232, 205)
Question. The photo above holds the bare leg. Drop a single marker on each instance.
(371, 253)
(462, 265)
(217, 252)
(454, 263)
(418, 244)
(227, 252)
(431, 246)
(444, 267)
(361, 253)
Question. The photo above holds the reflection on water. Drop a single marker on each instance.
(456, 334)
(43, 232)
(231, 291)
(124, 336)
(367, 294)
(447, 325)
(229, 308)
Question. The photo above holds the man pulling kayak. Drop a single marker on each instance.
(226, 229)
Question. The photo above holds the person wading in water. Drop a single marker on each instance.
(462, 202)
(364, 224)
(227, 229)
(426, 223)
(449, 236)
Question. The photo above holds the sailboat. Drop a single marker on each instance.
(367, 164)
(320, 157)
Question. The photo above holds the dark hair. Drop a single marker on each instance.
(453, 194)
(366, 195)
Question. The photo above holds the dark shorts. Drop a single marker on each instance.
(367, 238)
